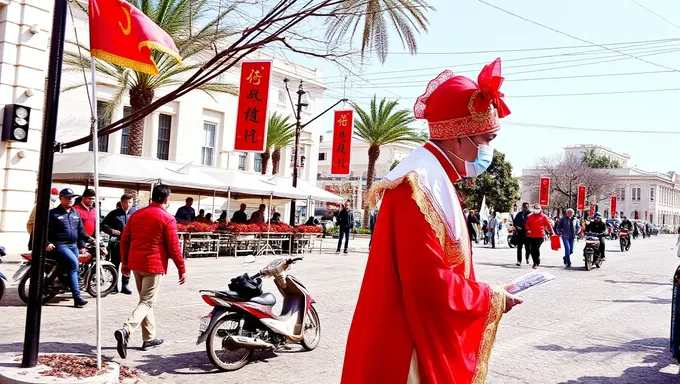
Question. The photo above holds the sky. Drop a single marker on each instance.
(612, 32)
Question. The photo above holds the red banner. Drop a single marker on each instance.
(612, 206)
(251, 119)
(592, 210)
(343, 124)
(544, 192)
(581, 198)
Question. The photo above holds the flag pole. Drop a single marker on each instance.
(95, 154)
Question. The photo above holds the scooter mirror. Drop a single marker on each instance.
(249, 259)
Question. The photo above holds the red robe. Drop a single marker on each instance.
(419, 300)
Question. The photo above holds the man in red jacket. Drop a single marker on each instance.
(87, 211)
(148, 240)
(536, 224)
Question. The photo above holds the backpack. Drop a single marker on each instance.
(246, 287)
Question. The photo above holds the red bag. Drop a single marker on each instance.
(555, 243)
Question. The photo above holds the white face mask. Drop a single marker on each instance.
(536, 210)
(54, 197)
(481, 162)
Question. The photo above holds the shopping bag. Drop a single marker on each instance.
(555, 243)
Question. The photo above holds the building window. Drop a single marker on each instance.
(242, 161)
(102, 121)
(208, 149)
(322, 156)
(651, 194)
(622, 194)
(125, 133)
(257, 167)
(636, 192)
(164, 127)
(651, 218)
(282, 96)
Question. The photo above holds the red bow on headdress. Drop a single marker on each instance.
(490, 81)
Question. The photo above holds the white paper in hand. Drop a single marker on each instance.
(531, 279)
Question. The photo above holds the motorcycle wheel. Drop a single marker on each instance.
(312, 330)
(510, 244)
(623, 247)
(598, 263)
(108, 284)
(23, 290)
(589, 262)
(221, 359)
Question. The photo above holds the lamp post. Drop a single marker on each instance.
(302, 101)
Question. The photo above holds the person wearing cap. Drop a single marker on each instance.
(421, 315)
(66, 239)
(54, 202)
(87, 211)
(598, 227)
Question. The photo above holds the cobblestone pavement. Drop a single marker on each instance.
(604, 326)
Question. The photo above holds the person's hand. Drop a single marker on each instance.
(82, 251)
(182, 278)
(511, 300)
(115, 232)
(50, 247)
(125, 270)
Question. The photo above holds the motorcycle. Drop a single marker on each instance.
(3, 285)
(238, 324)
(54, 285)
(624, 240)
(591, 251)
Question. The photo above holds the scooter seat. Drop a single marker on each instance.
(264, 299)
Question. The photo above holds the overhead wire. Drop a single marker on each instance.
(569, 128)
(656, 14)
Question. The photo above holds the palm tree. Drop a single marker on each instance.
(196, 44)
(406, 16)
(280, 134)
(383, 124)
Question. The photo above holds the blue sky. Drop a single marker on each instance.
(470, 26)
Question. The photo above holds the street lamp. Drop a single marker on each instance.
(303, 101)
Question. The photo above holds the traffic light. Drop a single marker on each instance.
(15, 123)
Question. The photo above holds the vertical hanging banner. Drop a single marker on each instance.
(343, 123)
(612, 206)
(581, 198)
(592, 210)
(252, 117)
(544, 192)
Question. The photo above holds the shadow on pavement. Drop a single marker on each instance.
(651, 300)
(658, 360)
(55, 347)
(638, 282)
(189, 363)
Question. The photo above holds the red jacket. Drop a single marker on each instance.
(536, 224)
(88, 216)
(149, 239)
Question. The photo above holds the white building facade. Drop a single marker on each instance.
(195, 128)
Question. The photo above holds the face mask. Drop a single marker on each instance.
(536, 210)
(53, 197)
(482, 162)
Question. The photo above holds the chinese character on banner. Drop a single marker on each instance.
(544, 192)
(592, 210)
(251, 119)
(581, 198)
(612, 206)
(343, 122)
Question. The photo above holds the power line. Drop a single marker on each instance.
(656, 14)
(571, 36)
(559, 127)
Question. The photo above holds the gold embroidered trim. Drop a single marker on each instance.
(456, 252)
(496, 310)
(475, 124)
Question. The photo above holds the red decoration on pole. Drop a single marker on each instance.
(544, 192)
(592, 210)
(343, 123)
(581, 198)
(252, 117)
(612, 206)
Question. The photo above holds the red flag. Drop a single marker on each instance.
(253, 96)
(581, 198)
(612, 206)
(592, 210)
(121, 34)
(343, 124)
(544, 192)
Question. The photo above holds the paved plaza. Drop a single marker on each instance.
(605, 326)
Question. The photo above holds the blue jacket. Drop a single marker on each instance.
(66, 228)
(185, 214)
(568, 227)
(116, 220)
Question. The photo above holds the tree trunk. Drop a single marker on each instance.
(373, 154)
(276, 160)
(265, 161)
(140, 97)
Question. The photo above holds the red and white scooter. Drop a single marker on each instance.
(237, 326)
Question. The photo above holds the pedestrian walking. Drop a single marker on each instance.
(149, 240)
(568, 227)
(345, 222)
(536, 225)
(472, 223)
(373, 219)
(493, 227)
(114, 223)
(520, 235)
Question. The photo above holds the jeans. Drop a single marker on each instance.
(522, 240)
(568, 248)
(536, 249)
(344, 232)
(67, 259)
(492, 236)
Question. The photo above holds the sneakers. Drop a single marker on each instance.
(564, 259)
(122, 337)
(519, 264)
(125, 290)
(152, 344)
(78, 302)
(345, 251)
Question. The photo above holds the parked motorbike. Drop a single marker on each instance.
(241, 323)
(54, 283)
(624, 240)
(3, 285)
(591, 251)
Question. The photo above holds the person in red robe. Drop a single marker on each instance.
(422, 317)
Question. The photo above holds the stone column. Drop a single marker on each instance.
(151, 136)
(250, 162)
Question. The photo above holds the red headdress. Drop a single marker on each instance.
(455, 106)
